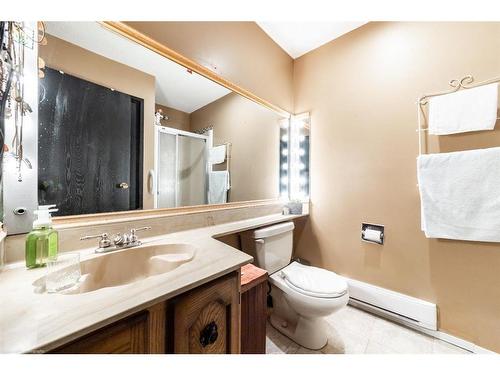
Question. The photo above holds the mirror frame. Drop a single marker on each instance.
(144, 40)
(110, 217)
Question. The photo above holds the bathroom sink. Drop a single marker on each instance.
(131, 265)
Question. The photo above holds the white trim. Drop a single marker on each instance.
(176, 167)
(461, 343)
(208, 149)
(156, 165)
(166, 129)
(457, 341)
(412, 310)
(396, 307)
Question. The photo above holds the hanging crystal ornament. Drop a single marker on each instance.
(17, 39)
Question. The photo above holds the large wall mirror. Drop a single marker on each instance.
(121, 127)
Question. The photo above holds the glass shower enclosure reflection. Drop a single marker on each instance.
(181, 168)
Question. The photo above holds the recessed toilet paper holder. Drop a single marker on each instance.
(373, 233)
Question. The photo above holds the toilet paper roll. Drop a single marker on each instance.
(372, 235)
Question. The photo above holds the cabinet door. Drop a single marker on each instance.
(128, 336)
(207, 319)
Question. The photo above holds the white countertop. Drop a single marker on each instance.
(32, 322)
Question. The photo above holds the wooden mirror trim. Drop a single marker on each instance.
(144, 40)
(113, 217)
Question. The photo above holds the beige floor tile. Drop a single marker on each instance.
(272, 348)
(338, 346)
(443, 347)
(374, 347)
(276, 341)
(302, 350)
(400, 339)
(339, 342)
(353, 331)
(344, 341)
(353, 320)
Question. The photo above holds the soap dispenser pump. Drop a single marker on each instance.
(43, 241)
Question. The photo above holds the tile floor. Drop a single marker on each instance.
(354, 331)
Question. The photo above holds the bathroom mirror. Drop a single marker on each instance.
(121, 128)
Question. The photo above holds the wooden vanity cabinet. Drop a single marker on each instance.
(206, 320)
(254, 289)
(126, 336)
(203, 320)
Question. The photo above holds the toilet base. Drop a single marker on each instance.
(307, 332)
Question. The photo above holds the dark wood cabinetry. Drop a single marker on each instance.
(127, 336)
(203, 320)
(254, 289)
(207, 320)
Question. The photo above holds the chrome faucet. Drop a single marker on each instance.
(120, 241)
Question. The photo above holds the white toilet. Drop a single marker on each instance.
(302, 295)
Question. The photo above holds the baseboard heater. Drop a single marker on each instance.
(397, 306)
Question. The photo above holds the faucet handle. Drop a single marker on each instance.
(133, 231)
(119, 239)
(103, 242)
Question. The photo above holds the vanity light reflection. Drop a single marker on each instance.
(294, 158)
(299, 157)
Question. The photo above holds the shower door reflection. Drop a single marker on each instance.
(181, 168)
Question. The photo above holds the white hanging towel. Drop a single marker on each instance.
(460, 194)
(218, 154)
(218, 185)
(464, 111)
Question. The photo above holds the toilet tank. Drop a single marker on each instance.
(270, 246)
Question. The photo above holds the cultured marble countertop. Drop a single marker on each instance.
(31, 322)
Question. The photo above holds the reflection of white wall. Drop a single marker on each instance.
(24, 193)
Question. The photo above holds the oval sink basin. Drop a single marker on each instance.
(130, 265)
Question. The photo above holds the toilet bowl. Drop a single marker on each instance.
(302, 295)
(299, 310)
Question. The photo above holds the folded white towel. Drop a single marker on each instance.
(460, 194)
(464, 111)
(218, 154)
(218, 185)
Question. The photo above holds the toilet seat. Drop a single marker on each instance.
(313, 281)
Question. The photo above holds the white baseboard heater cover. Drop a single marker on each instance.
(396, 305)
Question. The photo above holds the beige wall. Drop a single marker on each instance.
(176, 119)
(254, 134)
(79, 62)
(241, 52)
(361, 90)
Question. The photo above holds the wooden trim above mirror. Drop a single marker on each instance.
(114, 217)
(144, 40)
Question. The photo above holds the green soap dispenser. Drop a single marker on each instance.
(43, 241)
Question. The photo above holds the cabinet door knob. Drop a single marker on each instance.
(209, 334)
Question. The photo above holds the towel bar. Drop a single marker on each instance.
(425, 129)
(456, 85)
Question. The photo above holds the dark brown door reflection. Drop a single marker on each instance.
(89, 146)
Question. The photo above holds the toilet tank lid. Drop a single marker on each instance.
(274, 230)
